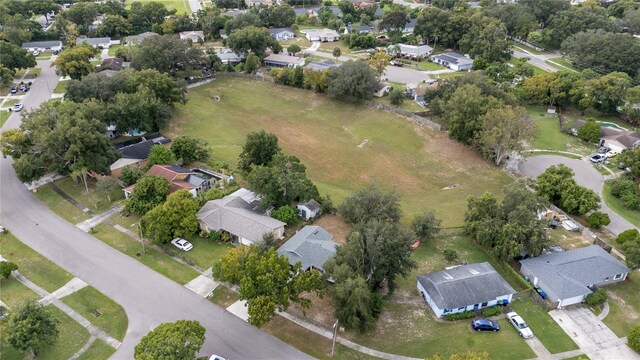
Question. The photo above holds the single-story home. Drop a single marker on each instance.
(180, 179)
(321, 65)
(136, 39)
(239, 214)
(411, 25)
(417, 93)
(251, 3)
(136, 154)
(115, 64)
(312, 246)
(619, 140)
(229, 57)
(568, 277)
(413, 51)
(323, 35)
(194, 36)
(282, 33)
(358, 29)
(97, 43)
(277, 60)
(453, 61)
(309, 210)
(382, 90)
(464, 288)
(43, 45)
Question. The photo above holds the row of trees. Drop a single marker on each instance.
(557, 186)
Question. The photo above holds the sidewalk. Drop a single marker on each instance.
(98, 219)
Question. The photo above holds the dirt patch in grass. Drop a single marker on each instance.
(224, 297)
(335, 226)
(321, 312)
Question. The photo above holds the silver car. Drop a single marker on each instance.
(520, 325)
(182, 244)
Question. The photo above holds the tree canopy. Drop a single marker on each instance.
(149, 192)
(176, 217)
(32, 327)
(189, 149)
(252, 39)
(352, 81)
(259, 149)
(180, 340)
(75, 62)
(14, 57)
(503, 131)
(371, 203)
(167, 54)
(557, 185)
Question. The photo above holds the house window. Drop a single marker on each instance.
(461, 309)
(606, 279)
(617, 277)
(484, 304)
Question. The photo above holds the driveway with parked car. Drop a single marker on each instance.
(584, 174)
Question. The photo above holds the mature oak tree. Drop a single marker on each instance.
(32, 327)
(503, 131)
(259, 149)
(352, 81)
(75, 62)
(149, 192)
(176, 217)
(180, 340)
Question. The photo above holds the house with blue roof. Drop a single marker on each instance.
(312, 246)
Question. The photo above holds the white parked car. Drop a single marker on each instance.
(598, 158)
(216, 357)
(182, 244)
(17, 107)
(36, 52)
(520, 325)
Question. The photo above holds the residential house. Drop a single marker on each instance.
(115, 64)
(194, 36)
(251, 3)
(321, 65)
(416, 52)
(180, 179)
(453, 60)
(568, 277)
(309, 209)
(282, 33)
(136, 39)
(136, 154)
(410, 27)
(277, 60)
(96, 22)
(464, 288)
(239, 214)
(417, 93)
(312, 246)
(97, 43)
(619, 140)
(323, 35)
(382, 90)
(358, 29)
(229, 57)
(43, 45)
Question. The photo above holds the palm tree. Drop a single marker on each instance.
(79, 171)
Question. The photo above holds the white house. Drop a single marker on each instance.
(323, 35)
(412, 51)
(568, 277)
(277, 60)
(619, 140)
(453, 60)
(239, 214)
(309, 210)
(43, 45)
(194, 36)
(282, 34)
(464, 288)
(229, 57)
(382, 90)
(97, 43)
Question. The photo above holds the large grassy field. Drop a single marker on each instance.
(549, 135)
(34, 266)
(180, 5)
(112, 317)
(419, 163)
(544, 327)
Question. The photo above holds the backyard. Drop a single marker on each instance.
(181, 6)
(428, 170)
(551, 137)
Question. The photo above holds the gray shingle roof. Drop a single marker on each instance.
(567, 274)
(276, 31)
(93, 41)
(312, 246)
(41, 44)
(453, 57)
(465, 285)
(312, 205)
(232, 214)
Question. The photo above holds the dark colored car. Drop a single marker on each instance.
(485, 325)
(14, 90)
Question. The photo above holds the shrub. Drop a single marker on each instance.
(633, 340)
(590, 131)
(460, 316)
(598, 219)
(450, 254)
(130, 174)
(397, 97)
(628, 236)
(285, 214)
(6, 268)
(596, 298)
(214, 235)
(492, 311)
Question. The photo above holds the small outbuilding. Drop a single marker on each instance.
(464, 288)
(309, 210)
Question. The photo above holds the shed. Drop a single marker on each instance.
(309, 210)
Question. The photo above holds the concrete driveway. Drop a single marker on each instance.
(405, 75)
(591, 334)
(584, 174)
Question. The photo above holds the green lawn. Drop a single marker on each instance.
(45, 55)
(543, 326)
(579, 357)
(61, 88)
(550, 136)
(561, 64)
(72, 336)
(113, 49)
(4, 115)
(204, 253)
(223, 297)
(33, 73)
(550, 152)
(429, 65)
(10, 103)
(616, 205)
(449, 75)
(60, 205)
(624, 303)
(112, 317)
(325, 135)
(14, 294)
(94, 200)
(157, 261)
(34, 266)
(329, 46)
(179, 5)
(99, 350)
(425, 336)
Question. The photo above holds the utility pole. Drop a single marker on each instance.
(335, 335)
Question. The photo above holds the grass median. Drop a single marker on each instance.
(99, 310)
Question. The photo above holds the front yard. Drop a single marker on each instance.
(61, 88)
(94, 200)
(421, 164)
(59, 205)
(624, 303)
(543, 326)
(100, 310)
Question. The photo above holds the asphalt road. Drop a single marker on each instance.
(585, 174)
(405, 75)
(537, 60)
(147, 297)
